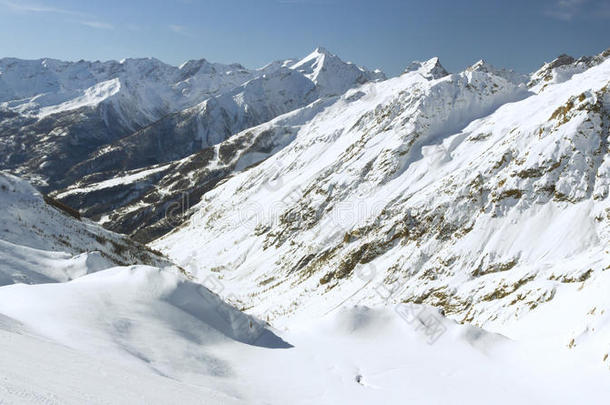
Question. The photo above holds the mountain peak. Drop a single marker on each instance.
(318, 56)
(142, 61)
(509, 75)
(561, 60)
(562, 68)
(323, 51)
(430, 69)
(331, 74)
(480, 64)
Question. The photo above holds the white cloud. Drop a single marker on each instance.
(178, 29)
(83, 18)
(36, 8)
(97, 24)
(567, 10)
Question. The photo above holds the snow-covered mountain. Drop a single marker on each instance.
(331, 75)
(141, 89)
(331, 236)
(64, 111)
(93, 117)
(217, 118)
(469, 192)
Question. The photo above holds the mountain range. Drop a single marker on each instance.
(201, 223)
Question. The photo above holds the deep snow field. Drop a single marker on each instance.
(144, 335)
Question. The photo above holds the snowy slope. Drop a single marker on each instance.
(467, 192)
(152, 338)
(147, 203)
(337, 226)
(37, 370)
(144, 334)
(40, 243)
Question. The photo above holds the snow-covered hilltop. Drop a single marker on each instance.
(70, 289)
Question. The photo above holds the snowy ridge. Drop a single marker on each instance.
(91, 97)
(28, 86)
(562, 69)
(430, 69)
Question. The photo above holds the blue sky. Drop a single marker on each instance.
(385, 34)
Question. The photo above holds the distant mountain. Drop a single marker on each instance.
(140, 90)
(430, 69)
(90, 117)
(217, 118)
(64, 111)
